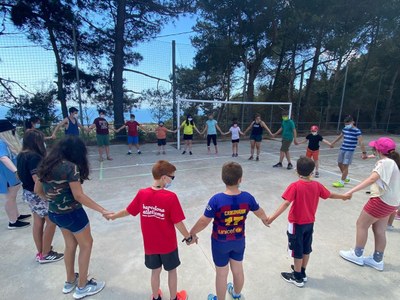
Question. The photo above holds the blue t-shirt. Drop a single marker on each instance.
(229, 213)
(7, 177)
(350, 138)
(211, 128)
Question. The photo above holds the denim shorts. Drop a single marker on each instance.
(74, 221)
(345, 157)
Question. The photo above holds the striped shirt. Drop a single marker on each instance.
(350, 138)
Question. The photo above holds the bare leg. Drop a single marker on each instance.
(363, 223)
(281, 156)
(252, 145)
(298, 262)
(258, 147)
(287, 154)
(391, 219)
(316, 165)
(238, 275)
(137, 146)
(221, 281)
(85, 242)
(379, 229)
(37, 231)
(190, 145)
(69, 254)
(216, 149)
(173, 283)
(345, 171)
(107, 151)
(130, 147)
(233, 148)
(48, 234)
(306, 258)
(101, 152)
(155, 282)
(11, 203)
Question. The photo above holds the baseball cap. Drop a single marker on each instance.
(6, 125)
(314, 128)
(383, 145)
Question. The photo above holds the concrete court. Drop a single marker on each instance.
(118, 255)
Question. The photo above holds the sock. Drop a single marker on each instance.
(234, 295)
(159, 298)
(297, 275)
(303, 271)
(359, 251)
(378, 256)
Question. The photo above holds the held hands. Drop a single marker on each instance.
(267, 221)
(347, 196)
(191, 240)
(108, 215)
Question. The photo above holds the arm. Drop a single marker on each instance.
(204, 130)
(219, 129)
(38, 189)
(62, 123)
(91, 127)
(367, 182)
(121, 214)
(278, 132)
(260, 213)
(248, 128)
(295, 136)
(362, 146)
(8, 163)
(122, 127)
(80, 196)
(337, 139)
(141, 127)
(285, 204)
(302, 142)
(182, 229)
(344, 197)
(194, 126)
(200, 225)
(266, 128)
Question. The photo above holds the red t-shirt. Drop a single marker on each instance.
(159, 211)
(304, 196)
(101, 126)
(132, 128)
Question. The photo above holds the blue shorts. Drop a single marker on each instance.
(345, 157)
(133, 139)
(223, 251)
(74, 221)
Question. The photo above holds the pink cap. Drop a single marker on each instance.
(314, 128)
(383, 145)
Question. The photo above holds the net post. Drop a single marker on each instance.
(178, 117)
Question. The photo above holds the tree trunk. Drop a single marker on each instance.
(60, 86)
(331, 95)
(292, 74)
(388, 105)
(118, 89)
(278, 72)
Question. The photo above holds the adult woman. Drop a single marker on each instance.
(10, 146)
(256, 135)
(61, 176)
(384, 200)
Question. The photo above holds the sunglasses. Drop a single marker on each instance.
(172, 177)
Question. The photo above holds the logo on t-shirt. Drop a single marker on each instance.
(153, 212)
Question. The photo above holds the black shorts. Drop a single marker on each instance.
(188, 136)
(300, 239)
(170, 260)
(235, 141)
(161, 142)
(212, 137)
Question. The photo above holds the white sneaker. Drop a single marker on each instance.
(371, 262)
(352, 257)
(390, 228)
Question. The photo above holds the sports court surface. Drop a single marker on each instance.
(118, 256)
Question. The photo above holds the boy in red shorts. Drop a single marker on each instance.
(304, 196)
(160, 213)
(229, 211)
(313, 146)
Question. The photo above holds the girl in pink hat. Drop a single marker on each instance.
(384, 200)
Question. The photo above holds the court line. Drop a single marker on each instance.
(101, 171)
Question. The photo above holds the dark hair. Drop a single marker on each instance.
(231, 173)
(285, 113)
(70, 148)
(102, 111)
(257, 115)
(305, 166)
(132, 116)
(34, 141)
(348, 119)
(395, 156)
(72, 109)
(28, 122)
(234, 121)
(187, 120)
(161, 168)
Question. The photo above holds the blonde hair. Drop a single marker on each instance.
(12, 141)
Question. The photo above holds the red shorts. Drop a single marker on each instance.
(378, 209)
(312, 154)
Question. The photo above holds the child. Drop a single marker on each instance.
(289, 134)
(61, 175)
(313, 146)
(256, 135)
(10, 146)
(133, 134)
(384, 201)
(188, 126)
(160, 213)
(161, 133)
(70, 123)
(33, 151)
(304, 196)
(351, 137)
(102, 134)
(229, 211)
(235, 131)
(211, 129)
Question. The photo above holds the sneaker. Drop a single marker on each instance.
(289, 166)
(278, 165)
(129, 153)
(338, 184)
(159, 295)
(305, 279)
(390, 228)
(18, 224)
(24, 217)
(163, 152)
(316, 175)
(289, 277)
(69, 286)
(257, 158)
(158, 153)
(139, 152)
(101, 159)
(211, 297)
(91, 288)
(371, 262)
(237, 155)
(190, 152)
(38, 256)
(233, 155)
(346, 180)
(52, 256)
(183, 152)
(231, 291)
(251, 157)
(352, 257)
(109, 158)
(182, 295)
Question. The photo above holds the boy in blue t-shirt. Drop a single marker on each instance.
(229, 211)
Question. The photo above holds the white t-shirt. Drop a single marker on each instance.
(387, 187)
(235, 132)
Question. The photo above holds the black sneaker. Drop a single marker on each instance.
(52, 256)
(139, 152)
(190, 152)
(24, 217)
(302, 273)
(289, 166)
(184, 152)
(278, 165)
(257, 158)
(129, 153)
(251, 157)
(18, 224)
(289, 277)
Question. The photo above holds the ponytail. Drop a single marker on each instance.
(395, 156)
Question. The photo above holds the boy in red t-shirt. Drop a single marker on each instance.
(304, 196)
(133, 133)
(160, 213)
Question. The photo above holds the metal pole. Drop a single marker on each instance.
(175, 110)
(341, 103)
(244, 88)
(78, 83)
(178, 136)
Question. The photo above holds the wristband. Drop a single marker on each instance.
(187, 240)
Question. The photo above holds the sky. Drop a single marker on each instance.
(34, 67)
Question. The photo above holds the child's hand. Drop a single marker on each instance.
(347, 196)
(266, 222)
(108, 215)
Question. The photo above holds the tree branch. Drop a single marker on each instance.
(14, 82)
(150, 76)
